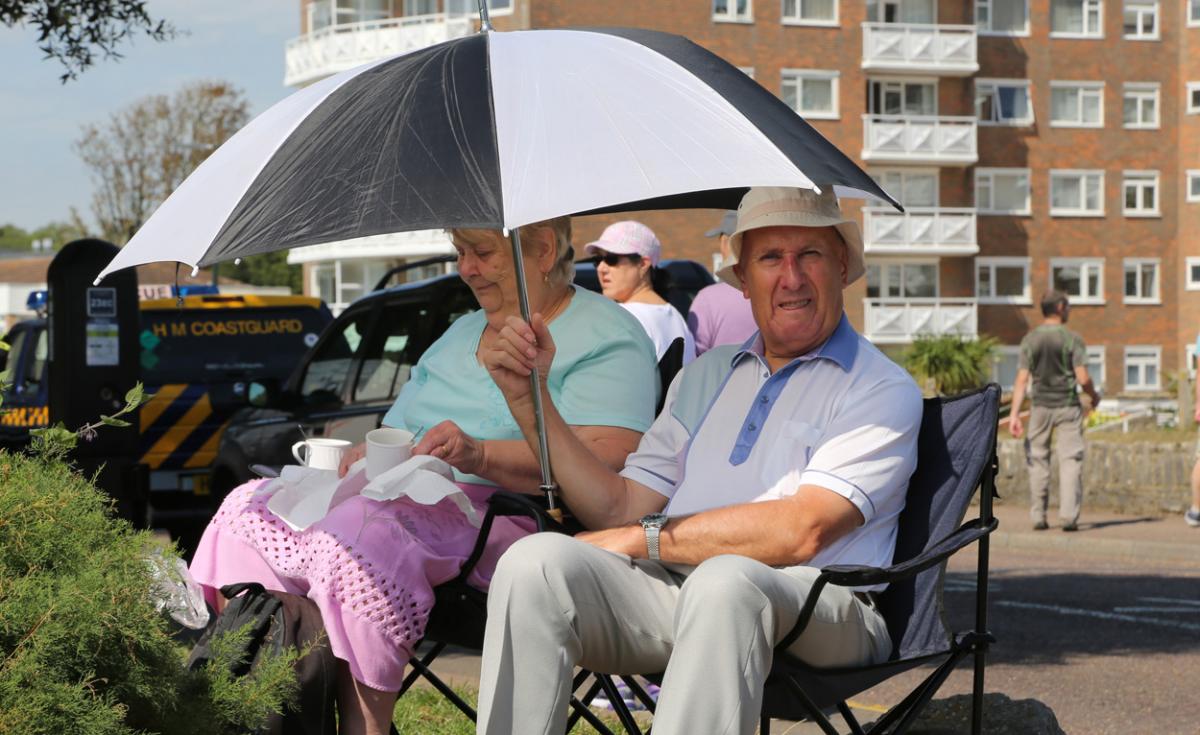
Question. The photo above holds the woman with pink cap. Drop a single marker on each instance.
(627, 264)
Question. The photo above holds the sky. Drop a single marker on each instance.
(41, 177)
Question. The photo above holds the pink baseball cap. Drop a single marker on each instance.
(628, 238)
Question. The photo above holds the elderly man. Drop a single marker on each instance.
(770, 460)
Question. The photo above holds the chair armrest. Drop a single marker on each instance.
(508, 503)
(848, 575)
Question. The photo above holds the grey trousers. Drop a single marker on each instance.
(556, 603)
(1044, 423)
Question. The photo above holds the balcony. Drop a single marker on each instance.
(920, 231)
(336, 48)
(919, 139)
(906, 48)
(899, 321)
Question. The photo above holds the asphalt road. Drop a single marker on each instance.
(1111, 646)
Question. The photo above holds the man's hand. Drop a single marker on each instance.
(1015, 427)
(517, 350)
(627, 540)
(449, 443)
(350, 456)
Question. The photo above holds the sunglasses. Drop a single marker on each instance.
(614, 259)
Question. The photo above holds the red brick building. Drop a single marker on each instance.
(1033, 142)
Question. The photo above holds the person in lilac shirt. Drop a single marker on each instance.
(720, 314)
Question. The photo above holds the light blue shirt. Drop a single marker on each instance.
(843, 417)
(604, 374)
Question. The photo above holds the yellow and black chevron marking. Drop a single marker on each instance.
(179, 430)
(26, 417)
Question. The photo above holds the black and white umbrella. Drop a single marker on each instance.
(495, 130)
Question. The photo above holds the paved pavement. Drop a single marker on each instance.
(1101, 624)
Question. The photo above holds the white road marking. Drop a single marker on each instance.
(1080, 612)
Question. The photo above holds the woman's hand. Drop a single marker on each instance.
(350, 456)
(449, 443)
(517, 350)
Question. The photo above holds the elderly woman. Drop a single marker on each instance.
(369, 565)
(628, 253)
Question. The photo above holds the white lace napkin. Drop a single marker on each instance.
(424, 479)
(304, 495)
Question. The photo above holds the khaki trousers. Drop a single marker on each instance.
(556, 603)
(1044, 423)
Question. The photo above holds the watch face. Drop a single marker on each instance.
(654, 520)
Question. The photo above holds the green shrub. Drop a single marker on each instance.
(951, 363)
(82, 647)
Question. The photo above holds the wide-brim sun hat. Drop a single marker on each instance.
(628, 238)
(778, 206)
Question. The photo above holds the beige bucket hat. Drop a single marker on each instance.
(778, 206)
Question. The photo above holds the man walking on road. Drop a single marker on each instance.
(1056, 359)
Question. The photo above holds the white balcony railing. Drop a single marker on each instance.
(923, 139)
(336, 48)
(896, 321)
(919, 47)
(920, 231)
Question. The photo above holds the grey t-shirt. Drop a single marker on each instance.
(1051, 353)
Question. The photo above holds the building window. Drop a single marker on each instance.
(1193, 13)
(1139, 108)
(1076, 193)
(1081, 279)
(810, 12)
(732, 11)
(1095, 366)
(1002, 17)
(471, 7)
(921, 12)
(747, 70)
(1004, 366)
(1077, 18)
(1193, 185)
(1192, 282)
(1002, 190)
(1141, 20)
(1002, 280)
(1193, 98)
(907, 280)
(902, 97)
(1077, 104)
(812, 93)
(1140, 194)
(1142, 367)
(1003, 102)
(1141, 281)
(910, 187)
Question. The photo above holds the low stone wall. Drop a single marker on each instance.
(1137, 477)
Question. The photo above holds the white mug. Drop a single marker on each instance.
(387, 448)
(322, 454)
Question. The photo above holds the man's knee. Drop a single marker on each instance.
(727, 582)
(532, 558)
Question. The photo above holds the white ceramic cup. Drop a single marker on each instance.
(387, 448)
(321, 454)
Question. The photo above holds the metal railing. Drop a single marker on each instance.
(920, 139)
(946, 49)
(902, 320)
(920, 230)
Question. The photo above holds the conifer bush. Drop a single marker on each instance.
(83, 648)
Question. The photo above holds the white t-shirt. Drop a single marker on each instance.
(664, 324)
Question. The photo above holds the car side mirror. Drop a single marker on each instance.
(262, 393)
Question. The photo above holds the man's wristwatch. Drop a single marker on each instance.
(653, 524)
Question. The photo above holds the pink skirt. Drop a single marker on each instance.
(370, 566)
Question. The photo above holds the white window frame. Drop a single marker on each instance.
(986, 208)
(800, 20)
(747, 70)
(471, 8)
(731, 15)
(883, 263)
(1138, 264)
(991, 263)
(1140, 91)
(1085, 264)
(1193, 175)
(996, 84)
(1062, 173)
(1193, 108)
(1142, 362)
(906, 172)
(798, 76)
(1193, 13)
(1141, 180)
(1097, 353)
(1140, 6)
(1002, 351)
(1094, 34)
(902, 83)
(1189, 283)
(1084, 87)
(988, 31)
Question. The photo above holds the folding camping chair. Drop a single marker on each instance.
(956, 455)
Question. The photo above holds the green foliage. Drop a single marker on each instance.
(59, 233)
(425, 710)
(83, 648)
(951, 363)
(268, 269)
(54, 442)
(14, 238)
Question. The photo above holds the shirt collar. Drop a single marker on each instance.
(841, 347)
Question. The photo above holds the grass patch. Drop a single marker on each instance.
(424, 709)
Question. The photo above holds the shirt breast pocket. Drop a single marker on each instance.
(790, 451)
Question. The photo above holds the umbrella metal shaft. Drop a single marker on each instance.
(534, 383)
